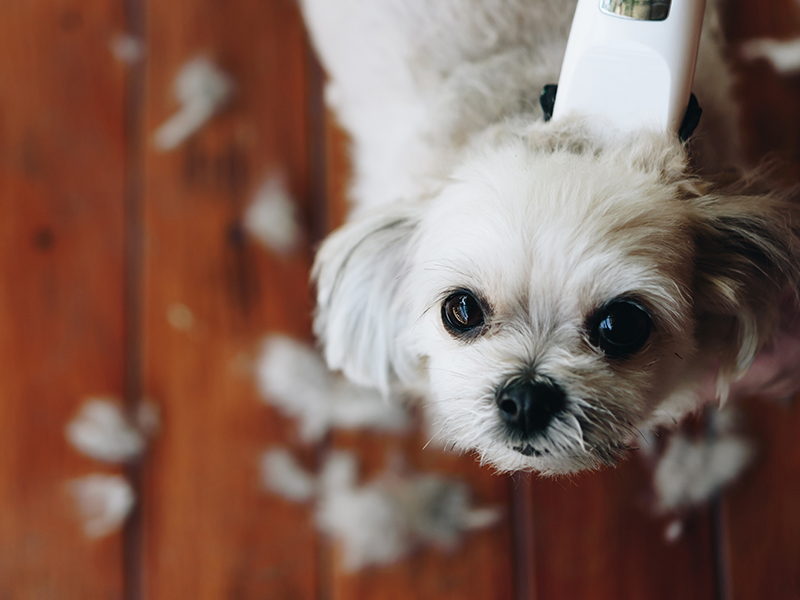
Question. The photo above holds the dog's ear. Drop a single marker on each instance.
(747, 254)
(359, 273)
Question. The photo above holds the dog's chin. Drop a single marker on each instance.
(532, 456)
(528, 457)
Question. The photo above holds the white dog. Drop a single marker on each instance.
(546, 291)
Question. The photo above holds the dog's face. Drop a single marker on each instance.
(549, 298)
(554, 305)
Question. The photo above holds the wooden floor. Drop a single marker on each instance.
(101, 236)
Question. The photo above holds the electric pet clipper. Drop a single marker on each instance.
(631, 64)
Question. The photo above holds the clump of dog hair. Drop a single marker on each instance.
(103, 502)
(202, 89)
(368, 524)
(292, 377)
(692, 471)
(102, 431)
(783, 55)
(383, 521)
(282, 475)
(271, 217)
(673, 531)
(127, 49)
(180, 317)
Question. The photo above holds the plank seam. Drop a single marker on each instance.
(524, 553)
(135, 135)
(721, 554)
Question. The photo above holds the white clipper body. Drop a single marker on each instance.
(630, 63)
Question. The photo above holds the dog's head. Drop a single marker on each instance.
(556, 293)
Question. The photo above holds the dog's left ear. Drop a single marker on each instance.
(747, 253)
(361, 312)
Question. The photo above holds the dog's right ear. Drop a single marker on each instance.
(361, 312)
(747, 246)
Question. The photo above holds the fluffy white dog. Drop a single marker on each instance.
(546, 291)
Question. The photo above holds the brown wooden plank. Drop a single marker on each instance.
(62, 157)
(482, 567)
(596, 538)
(209, 531)
(761, 517)
(770, 124)
(761, 511)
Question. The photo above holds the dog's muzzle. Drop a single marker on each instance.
(528, 407)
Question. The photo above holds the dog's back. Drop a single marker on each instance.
(412, 81)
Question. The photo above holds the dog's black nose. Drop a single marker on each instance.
(528, 407)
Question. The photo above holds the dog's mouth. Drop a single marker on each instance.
(530, 450)
(575, 436)
(608, 456)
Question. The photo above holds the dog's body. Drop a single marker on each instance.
(546, 291)
(413, 81)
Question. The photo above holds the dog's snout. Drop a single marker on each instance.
(529, 406)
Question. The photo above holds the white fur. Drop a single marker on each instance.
(292, 377)
(127, 49)
(691, 471)
(783, 55)
(271, 217)
(459, 185)
(101, 430)
(384, 520)
(282, 475)
(202, 89)
(103, 502)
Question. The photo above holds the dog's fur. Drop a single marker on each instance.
(460, 185)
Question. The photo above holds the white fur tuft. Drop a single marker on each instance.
(783, 55)
(101, 430)
(292, 377)
(127, 49)
(282, 475)
(103, 502)
(271, 217)
(385, 520)
(202, 89)
(692, 471)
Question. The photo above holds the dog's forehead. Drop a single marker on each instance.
(558, 193)
(560, 221)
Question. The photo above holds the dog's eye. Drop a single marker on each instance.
(461, 312)
(621, 328)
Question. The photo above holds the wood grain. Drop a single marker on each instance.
(596, 537)
(62, 157)
(210, 532)
(762, 517)
(769, 117)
